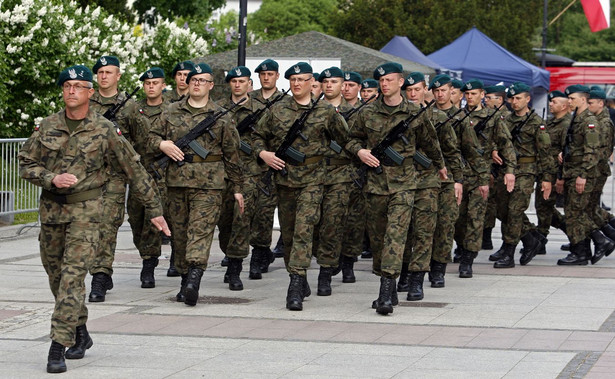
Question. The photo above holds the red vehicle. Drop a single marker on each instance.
(588, 73)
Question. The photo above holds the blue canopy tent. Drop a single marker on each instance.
(403, 48)
(478, 56)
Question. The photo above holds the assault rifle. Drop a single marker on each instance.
(440, 123)
(566, 148)
(285, 151)
(517, 129)
(248, 123)
(349, 114)
(111, 112)
(189, 140)
(480, 127)
(384, 150)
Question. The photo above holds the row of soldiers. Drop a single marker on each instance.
(420, 173)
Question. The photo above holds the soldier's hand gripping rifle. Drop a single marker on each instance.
(285, 151)
(516, 132)
(383, 148)
(349, 114)
(480, 127)
(112, 112)
(250, 121)
(566, 148)
(189, 140)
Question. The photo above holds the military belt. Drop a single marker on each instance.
(310, 160)
(337, 161)
(197, 159)
(72, 198)
(526, 159)
(386, 161)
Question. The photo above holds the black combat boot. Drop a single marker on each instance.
(608, 231)
(384, 303)
(147, 272)
(508, 257)
(101, 283)
(487, 243)
(324, 281)
(497, 255)
(224, 262)
(565, 247)
(55, 359)
(603, 246)
(578, 255)
(543, 242)
(232, 274)
(403, 284)
(465, 266)
(83, 341)
(295, 294)
(367, 254)
(436, 274)
(457, 254)
(193, 284)
(172, 271)
(531, 246)
(267, 258)
(255, 263)
(307, 291)
(415, 292)
(278, 250)
(348, 269)
(181, 297)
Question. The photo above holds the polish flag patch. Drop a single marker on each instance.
(36, 127)
(591, 126)
(542, 127)
(118, 131)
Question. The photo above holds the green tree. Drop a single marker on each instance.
(115, 7)
(192, 9)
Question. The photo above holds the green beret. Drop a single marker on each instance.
(268, 65)
(181, 66)
(595, 87)
(495, 89)
(439, 80)
(369, 83)
(597, 94)
(517, 88)
(237, 72)
(576, 88)
(331, 72)
(299, 68)
(201, 68)
(106, 60)
(472, 84)
(316, 76)
(555, 94)
(413, 78)
(78, 72)
(351, 76)
(457, 83)
(154, 72)
(387, 68)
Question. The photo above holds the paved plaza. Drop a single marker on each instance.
(536, 321)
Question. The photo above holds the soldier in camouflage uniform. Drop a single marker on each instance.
(456, 93)
(107, 71)
(390, 194)
(179, 74)
(233, 226)
(300, 191)
(580, 169)
(329, 233)
(369, 88)
(351, 88)
(71, 155)
(262, 223)
(194, 189)
(493, 138)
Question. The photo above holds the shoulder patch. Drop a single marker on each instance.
(36, 128)
(118, 131)
(502, 117)
(591, 126)
(471, 122)
(141, 111)
(542, 127)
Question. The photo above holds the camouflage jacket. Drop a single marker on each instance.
(557, 127)
(90, 152)
(339, 164)
(606, 141)
(322, 125)
(175, 122)
(497, 138)
(151, 113)
(372, 125)
(584, 147)
(172, 96)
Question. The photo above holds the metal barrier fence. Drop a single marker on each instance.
(16, 195)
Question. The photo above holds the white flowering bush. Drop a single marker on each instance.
(40, 38)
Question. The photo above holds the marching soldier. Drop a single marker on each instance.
(369, 87)
(456, 93)
(352, 86)
(179, 74)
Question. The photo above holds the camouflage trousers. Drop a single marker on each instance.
(145, 236)
(512, 207)
(329, 233)
(234, 227)
(262, 221)
(113, 217)
(492, 205)
(389, 220)
(599, 215)
(469, 225)
(579, 222)
(193, 214)
(448, 211)
(417, 251)
(299, 212)
(67, 251)
(548, 215)
(354, 233)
